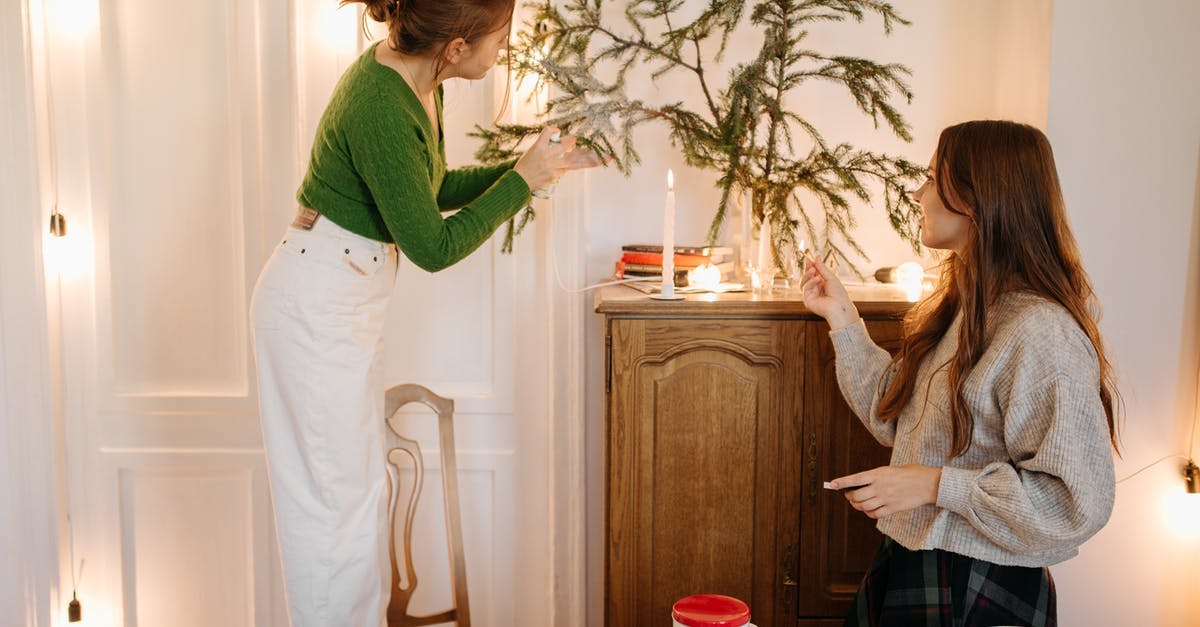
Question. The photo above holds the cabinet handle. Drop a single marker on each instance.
(812, 469)
(789, 566)
(607, 363)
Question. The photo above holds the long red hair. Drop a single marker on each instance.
(1000, 175)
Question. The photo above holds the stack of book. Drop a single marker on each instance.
(645, 260)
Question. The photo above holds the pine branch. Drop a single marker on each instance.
(743, 131)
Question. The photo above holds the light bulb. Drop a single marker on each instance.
(74, 19)
(910, 276)
(705, 277)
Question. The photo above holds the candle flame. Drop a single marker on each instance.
(670, 180)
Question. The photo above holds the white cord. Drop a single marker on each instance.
(71, 540)
(1151, 465)
(52, 134)
(1191, 440)
(1195, 412)
(558, 277)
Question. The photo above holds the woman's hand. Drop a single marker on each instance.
(888, 490)
(547, 160)
(825, 295)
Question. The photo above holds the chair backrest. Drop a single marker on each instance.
(402, 447)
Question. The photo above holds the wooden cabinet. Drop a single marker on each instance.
(723, 419)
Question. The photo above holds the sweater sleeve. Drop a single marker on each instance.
(462, 185)
(1057, 488)
(389, 154)
(863, 372)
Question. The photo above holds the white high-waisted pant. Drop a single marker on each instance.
(318, 312)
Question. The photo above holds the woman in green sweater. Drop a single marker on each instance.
(376, 187)
(998, 406)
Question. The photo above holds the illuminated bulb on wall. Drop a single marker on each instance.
(525, 97)
(67, 252)
(337, 29)
(74, 19)
(1181, 510)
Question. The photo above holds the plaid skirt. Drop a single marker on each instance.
(943, 589)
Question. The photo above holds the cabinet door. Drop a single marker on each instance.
(703, 418)
(837, 542)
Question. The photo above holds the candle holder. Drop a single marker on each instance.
(762, 280)
(667, 292)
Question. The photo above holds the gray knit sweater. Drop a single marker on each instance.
(1037, 479)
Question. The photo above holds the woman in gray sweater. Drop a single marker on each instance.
(998, 406)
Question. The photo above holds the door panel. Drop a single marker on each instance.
(838, 542)
(696, 437)
(195, 537)
(174, 170)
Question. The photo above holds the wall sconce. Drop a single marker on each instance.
(1191, 477)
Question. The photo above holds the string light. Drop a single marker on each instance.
(72, 21)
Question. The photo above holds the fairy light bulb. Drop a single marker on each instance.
(910, 276)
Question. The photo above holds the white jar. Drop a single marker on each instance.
(710, 610)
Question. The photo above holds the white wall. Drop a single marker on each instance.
(29, 590)
(969, 60)
(1119, 97)
(1124, 119)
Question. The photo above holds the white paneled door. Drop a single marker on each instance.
(181, 131)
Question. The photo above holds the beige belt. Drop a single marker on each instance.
(305, 218)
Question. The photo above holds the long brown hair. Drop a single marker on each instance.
(418, 27)
(1001, 176)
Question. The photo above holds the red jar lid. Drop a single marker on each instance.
(710, 610)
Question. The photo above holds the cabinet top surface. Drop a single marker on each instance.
(874, 301)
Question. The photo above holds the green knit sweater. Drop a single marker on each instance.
(378, 169)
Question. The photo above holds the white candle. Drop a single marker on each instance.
(668, 255)
(764, 245)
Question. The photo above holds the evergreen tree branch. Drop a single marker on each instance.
(743, 131)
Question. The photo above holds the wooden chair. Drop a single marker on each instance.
(397, 611)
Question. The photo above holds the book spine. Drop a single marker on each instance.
(643, 270)
(703, 251)
(681, 261)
